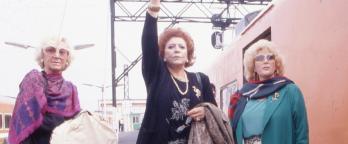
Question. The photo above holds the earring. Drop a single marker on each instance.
(164, 59)
(42, 62)
(256, 76)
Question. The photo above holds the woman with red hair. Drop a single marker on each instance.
(172, 92)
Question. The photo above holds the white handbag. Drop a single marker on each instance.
(84, 128)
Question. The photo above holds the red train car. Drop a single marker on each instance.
(312, 37)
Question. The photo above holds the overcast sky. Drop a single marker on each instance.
(81, 22)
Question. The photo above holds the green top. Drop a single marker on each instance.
(252, 117)
(285, 118)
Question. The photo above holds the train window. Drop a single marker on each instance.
(1, 121)
(226, 92)
(7, 121)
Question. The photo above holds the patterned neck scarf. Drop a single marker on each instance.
(253, 90)
(41, 93)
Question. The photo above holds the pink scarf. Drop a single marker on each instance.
(41, 93)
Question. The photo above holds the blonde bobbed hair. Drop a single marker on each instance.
(249, 59)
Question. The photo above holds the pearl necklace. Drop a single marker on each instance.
(177, 86)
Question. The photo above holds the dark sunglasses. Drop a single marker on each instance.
(264, 57)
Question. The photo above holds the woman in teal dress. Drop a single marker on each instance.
(269, 108)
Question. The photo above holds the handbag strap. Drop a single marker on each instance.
(198, 76)
(199, 80)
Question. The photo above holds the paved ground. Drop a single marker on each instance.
(127, 137)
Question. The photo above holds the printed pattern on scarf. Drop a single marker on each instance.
(33, 102)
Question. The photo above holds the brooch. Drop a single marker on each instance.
(197, 91)
(275, 96)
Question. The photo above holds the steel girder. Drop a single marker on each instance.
(186, 11)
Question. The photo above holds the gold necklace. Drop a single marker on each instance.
(177, 86)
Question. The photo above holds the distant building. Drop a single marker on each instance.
(128, 112)
(5, 116)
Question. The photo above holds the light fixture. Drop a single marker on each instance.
(25, 46)
(217, 40)
(83, 46)
(219, 22)
(19, 45)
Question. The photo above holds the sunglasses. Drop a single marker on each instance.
(261, 58)
(53, 51)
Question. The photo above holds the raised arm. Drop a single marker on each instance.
(151, 60)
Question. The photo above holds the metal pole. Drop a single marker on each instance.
(103, 101)
(113, 52)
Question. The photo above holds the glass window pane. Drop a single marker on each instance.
(7, 121)
(1, 121)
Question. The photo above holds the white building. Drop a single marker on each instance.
(129, 112)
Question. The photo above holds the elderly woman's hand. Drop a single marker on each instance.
(155, 2)
(154, 7)
(197, 113)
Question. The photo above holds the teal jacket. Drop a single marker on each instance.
(285, 120)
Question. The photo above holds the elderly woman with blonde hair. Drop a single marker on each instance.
(269, 108)
(45, 98)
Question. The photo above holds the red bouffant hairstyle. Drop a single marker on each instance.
(177, 32)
